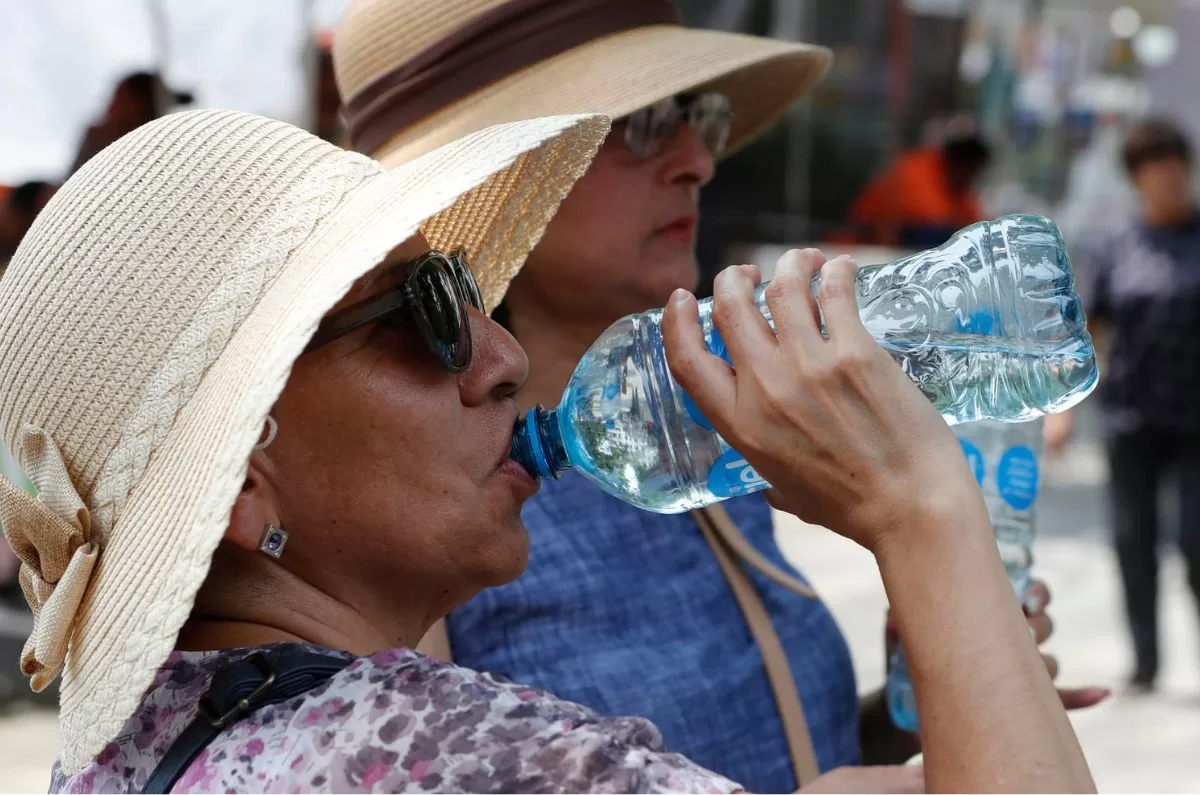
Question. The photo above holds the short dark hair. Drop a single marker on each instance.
(1154, 139)
(26, 198)
(969, 151)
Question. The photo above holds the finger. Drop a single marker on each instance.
(790, 299)
(839, 303)
(1042, 626)
(1083, 697)
(1051, 665)
(746, 332)
(1037, 596)
(705, 377)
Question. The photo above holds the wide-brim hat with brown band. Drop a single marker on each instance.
(150, 319)
(414, 74)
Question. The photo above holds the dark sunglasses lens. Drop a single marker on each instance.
(440, 313)
(466, 281)
(649, 130)
(710, 117)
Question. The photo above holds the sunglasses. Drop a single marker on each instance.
(650, 130)
(434, 296)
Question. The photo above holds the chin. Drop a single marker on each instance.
(507, 555)
(660, 278)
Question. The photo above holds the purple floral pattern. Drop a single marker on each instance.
(396, 721)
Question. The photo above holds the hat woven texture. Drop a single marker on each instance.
(614, 75)
(150, 319)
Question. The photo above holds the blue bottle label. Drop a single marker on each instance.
(732, 476)
(1017, 477)
(978, 322)
(716, 346)
(974, 458)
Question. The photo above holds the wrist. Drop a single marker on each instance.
(930, 521)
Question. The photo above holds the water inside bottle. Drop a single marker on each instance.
(971, 377)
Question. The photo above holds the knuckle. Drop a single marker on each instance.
(855, 358)
(776, 401)
(834, 287)
(819, 370)
(724, 315)
(784, 284)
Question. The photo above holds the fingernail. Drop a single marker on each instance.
(1034, 603)
(680, 296)
(1033, 634)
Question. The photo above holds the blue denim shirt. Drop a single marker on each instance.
(627, 612)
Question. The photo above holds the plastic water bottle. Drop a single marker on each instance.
(1006, 460)
(988, 326)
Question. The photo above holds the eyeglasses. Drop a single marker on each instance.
(650, 130)
(434, 295)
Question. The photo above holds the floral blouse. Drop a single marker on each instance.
(396, 721)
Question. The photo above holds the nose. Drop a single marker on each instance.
(499, 365)
(686, 160)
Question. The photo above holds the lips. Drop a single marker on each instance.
(682, 229)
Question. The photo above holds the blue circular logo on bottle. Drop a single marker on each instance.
(1017, 477)
(731, 476)
(974, 459)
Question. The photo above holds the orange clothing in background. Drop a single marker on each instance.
(910, 200)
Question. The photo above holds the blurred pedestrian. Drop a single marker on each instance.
(137, 98)
(924, 196)
(17, 211)
(626, 611)
(1141, 286)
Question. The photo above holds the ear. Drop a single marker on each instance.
(254, 509)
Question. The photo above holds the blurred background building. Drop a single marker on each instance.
(1051, 83)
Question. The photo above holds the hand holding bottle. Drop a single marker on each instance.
(850, 443)
(832, 423)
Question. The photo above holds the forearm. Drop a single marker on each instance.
(982, 690)
(880, 741)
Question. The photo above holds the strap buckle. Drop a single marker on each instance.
(244, 705)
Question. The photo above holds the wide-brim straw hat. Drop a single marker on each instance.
(416, 74)
(150, 319)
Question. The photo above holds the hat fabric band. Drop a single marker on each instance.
(499, 42)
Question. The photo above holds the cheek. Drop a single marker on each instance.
(608, 210)
(367, 433)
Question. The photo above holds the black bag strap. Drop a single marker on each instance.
(236, 690)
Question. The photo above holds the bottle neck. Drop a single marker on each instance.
(537, 443)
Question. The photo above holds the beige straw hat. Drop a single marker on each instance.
(418, 73)
(148, 322)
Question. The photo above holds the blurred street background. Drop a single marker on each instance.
(1050, 85)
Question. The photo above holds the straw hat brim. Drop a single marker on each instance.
(618, 74)
(501, 185)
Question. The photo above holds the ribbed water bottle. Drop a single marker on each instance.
(988, 326)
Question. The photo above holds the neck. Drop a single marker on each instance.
(253, 603)
(554, 347)
(1157, 216)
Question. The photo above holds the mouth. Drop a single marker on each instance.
(681, 230)
(513, 471)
